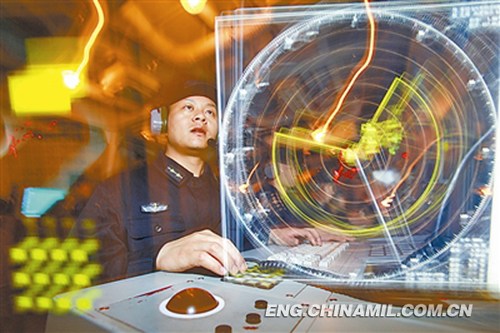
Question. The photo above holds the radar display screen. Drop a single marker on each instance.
(372, 123)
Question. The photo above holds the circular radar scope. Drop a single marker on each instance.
(403, 168)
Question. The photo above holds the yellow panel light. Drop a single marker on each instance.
(79, 255)
(84, 304)
(29, 242)
(61, 279)
(23, 303)
(21, 279)
(90, 245)
(62, 305)
(18, 255)
(44, 303)
(92, 270)
(38, 254)
(41, 90)
(59, 255)
(41, 278)
(81, 280)
(70, 244)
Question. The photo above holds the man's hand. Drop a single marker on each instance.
(294, 236)
(332, 236)
(201, 249)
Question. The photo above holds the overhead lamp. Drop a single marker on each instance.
(193, 7)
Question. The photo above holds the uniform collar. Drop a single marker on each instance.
(175, 172)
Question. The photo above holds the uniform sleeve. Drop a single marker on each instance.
(102, 219)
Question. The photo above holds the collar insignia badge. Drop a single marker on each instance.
(174, 172)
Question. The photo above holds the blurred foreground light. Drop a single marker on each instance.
(48, 83)
(62, 305)
(23, 303)
(71, 79)
(319, 135)
(41, 90)
(193, 7)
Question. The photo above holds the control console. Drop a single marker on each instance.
(161, 301)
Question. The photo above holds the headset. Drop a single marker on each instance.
(158, 124)
(158, 120)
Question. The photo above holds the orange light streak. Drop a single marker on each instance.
(388, 200)
(243, 187)
(320, 133)
(72, 79)
(93, 36)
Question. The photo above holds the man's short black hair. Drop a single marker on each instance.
(191, 88)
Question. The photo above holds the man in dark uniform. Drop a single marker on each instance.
(165, 215)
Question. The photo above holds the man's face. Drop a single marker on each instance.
(192, 121)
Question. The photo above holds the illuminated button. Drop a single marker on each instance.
(253, 318)
(69, 244)
(38, 254)
(18, 255)
(92, 270)
(61, 279)
(62, 305)
(84, 304)
(81, 280)
(44, 303)
(21, 279)
(192, 301)
(29, 242)
(41, 279)
(59, 255)
(23, 303)
(79, 255)
(90, 245)
(223, 329)
(50, 243)
(260, 304)
(158, 228)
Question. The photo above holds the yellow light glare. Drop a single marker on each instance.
(71, 79)
(41, 90)
(319, 135)
(193, 7)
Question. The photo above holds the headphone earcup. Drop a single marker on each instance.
(158, 120)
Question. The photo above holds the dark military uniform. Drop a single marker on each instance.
(138, 211)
